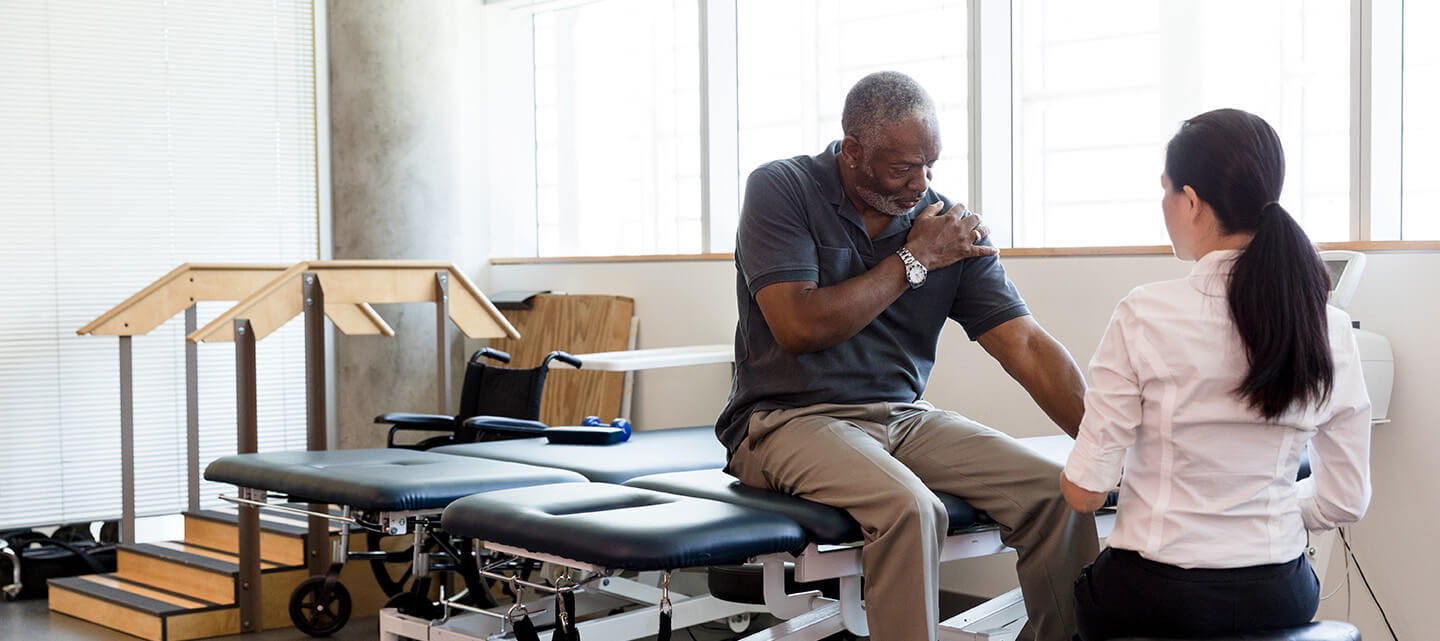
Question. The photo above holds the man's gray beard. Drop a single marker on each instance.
(881, 203)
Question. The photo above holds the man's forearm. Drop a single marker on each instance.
(1057, 386)
(1043, 367)
(807, 318)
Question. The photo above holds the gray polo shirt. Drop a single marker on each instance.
(797, 225)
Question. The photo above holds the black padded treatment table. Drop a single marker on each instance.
(647, 452)
(378, 480)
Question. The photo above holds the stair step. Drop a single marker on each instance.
(282, 537)
(269, 521)
(186, 568)
(120, 591)
(140, 610)
(296, 524)
(179, 591)
(199, 556)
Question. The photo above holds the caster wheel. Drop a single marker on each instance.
(739, 622)
(414, 605)
(316, 616)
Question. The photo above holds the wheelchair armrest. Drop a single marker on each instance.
(417, 422)
(506, 425)
(406, 420)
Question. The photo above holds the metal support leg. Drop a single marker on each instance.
(852, 613)
(127, 443)
(442, 341)
(192, 413)
(247, 437)
(317, 537)
(419, 560)
(341, 550)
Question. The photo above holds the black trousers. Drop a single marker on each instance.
(1123, 594)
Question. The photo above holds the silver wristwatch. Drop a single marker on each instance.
(914, 271)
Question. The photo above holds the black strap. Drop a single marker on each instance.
(20, 538)
(84, 555)
(565, 629)
(665, 609)
(525, 629)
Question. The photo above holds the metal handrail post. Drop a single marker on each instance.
(248, 441)
(192, 412)
(317, 537)
(442, 341)
(127, 442)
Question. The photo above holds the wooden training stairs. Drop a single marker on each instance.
(173, 591)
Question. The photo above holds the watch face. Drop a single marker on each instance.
(915, 274)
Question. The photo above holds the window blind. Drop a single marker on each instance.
(139, 135)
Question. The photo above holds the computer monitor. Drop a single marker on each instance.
(1345, 268)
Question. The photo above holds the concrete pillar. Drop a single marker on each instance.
(394, 120)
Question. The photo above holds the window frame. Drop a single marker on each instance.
(1376, 140)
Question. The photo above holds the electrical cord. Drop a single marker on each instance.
(1343, 584)
(1351, 554)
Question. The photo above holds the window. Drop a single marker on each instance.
(797, 60)
(1073, 103)
(140, 135)
(1101, 87)
(617, 128)
(1421, 133)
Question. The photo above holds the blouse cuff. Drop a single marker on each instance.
(1309, 508)
(1091, 470)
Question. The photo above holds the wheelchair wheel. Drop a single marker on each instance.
(316, 614)
(384, 576)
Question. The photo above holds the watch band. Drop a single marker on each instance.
(915, 271)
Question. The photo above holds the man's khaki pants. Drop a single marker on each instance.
(881, 461)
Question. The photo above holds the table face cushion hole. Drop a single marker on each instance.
(622, 527)
(589, 506)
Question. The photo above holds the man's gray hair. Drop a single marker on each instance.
(882, 99)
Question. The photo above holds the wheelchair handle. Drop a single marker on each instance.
(563, 357)
(490, 353)
(12, 590)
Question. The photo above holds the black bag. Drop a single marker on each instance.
(28, 559)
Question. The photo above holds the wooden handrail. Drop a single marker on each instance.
(172, 293)
(193, 282)
(357, 283)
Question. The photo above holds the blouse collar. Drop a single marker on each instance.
(1211, 273)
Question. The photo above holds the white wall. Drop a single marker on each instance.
(686, 303)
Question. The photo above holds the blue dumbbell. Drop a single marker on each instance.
(623, 424)
(591, 421)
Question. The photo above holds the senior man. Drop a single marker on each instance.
(849, 264)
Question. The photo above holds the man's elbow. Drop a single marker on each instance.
(792, 343)
(802, 340)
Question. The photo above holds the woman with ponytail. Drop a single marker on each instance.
(1206, 391)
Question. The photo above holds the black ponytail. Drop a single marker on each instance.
(1277, 291)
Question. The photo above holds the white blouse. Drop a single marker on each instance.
(1208, 483)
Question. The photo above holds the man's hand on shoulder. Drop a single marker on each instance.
(938, 239)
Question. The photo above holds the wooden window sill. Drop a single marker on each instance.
(1134, 250)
